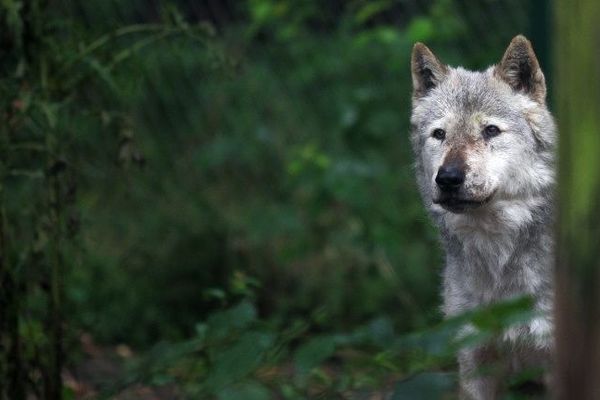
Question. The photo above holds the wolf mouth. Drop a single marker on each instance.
(459, 205)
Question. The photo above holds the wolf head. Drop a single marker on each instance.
(481, 137)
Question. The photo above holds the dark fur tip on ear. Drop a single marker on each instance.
(427, 70)
(419, 49)
(521, 70)
(520, 40)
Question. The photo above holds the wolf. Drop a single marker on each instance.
(484, 144)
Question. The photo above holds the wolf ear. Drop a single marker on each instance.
(427, 70)
(520, 69)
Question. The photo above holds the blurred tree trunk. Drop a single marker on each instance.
(577, 98)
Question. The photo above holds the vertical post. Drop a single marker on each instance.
(577, 96)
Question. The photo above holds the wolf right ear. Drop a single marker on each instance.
(427, 70)
(521, 70)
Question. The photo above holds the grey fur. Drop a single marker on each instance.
(501, 246)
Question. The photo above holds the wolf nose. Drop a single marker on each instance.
(450, 178)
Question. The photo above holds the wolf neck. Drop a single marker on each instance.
(484, 243)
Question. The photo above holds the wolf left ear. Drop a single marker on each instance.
(521, 70)
(427, 71)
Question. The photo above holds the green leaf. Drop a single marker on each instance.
(371, 9)
(50, 111)
(381, 331)
(67, 393)
(261, 10)
(387, 35)
(504, 314)
(239, 360)
(103, 73)
(314, 352)
(248, 391)
(225, 322)
(426, 386)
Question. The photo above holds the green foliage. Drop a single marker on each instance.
(272, 195)
(234, 352)
(249, 218)
(432, 385)
(313, 353)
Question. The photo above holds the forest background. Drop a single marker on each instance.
(215, 199)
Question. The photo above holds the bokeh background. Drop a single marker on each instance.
(215, 199)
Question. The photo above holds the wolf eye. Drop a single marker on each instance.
(490, 131)
(439, 134)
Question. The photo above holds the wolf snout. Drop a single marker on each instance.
(450, 178)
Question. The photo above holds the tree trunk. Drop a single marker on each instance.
(577, 97)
